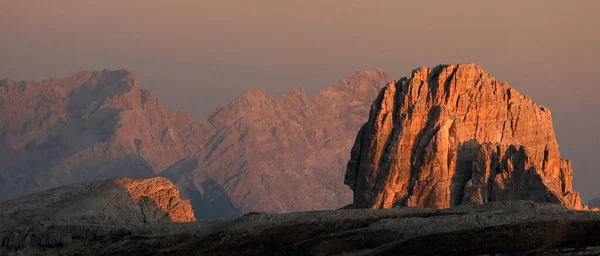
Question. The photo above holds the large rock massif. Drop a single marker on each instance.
(255, 154)
(453, 135)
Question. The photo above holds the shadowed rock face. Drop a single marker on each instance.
(256, 154)
(109, 202)
(453, 135)
(94, 125)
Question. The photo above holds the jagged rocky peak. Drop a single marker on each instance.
(92, 125)
(252, 98)
(359, 85)
(359, 80)
(259, 153)
(453, 135)
(296, 95)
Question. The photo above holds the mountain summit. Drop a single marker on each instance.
(453, 135)
(91, 126)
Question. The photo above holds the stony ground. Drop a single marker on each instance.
(516, 227)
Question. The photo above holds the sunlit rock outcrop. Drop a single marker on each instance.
(453, 135)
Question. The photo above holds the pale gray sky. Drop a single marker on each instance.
(197, 54)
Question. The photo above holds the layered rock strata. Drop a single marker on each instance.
(453, 135)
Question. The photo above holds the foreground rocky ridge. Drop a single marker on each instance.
(256, 154)
(453, 135)
(516, 227)
(130, 202)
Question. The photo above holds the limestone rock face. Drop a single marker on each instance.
(453, 135)
(108, 202)
(163, 195)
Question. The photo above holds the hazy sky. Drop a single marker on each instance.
(197, 54)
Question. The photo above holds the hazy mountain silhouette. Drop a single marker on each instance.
(256, 154)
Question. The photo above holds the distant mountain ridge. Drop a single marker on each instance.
(255, 154)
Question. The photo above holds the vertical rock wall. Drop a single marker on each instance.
(454, 135)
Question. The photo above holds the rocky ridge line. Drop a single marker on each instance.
(258, 153)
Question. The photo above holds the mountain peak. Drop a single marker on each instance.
(110, 77)
(294, 94)
(443, 71)
(360, 86)
(296, 91)
(363, 80)
(369, 72)
(253, 98)
(448, 144)
(255, 94)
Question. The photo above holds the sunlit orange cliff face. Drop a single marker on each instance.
(453, 135)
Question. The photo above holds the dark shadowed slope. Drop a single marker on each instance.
(511, 228)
